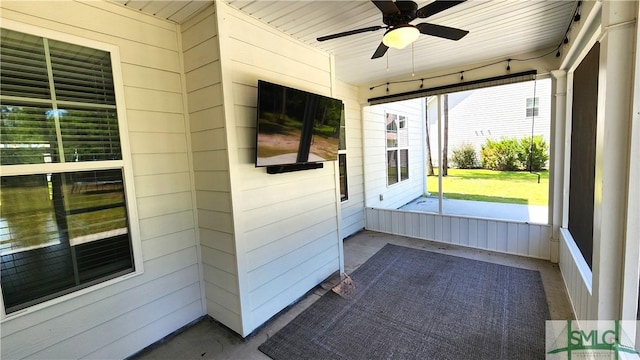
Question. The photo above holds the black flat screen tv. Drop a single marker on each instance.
(295, 126)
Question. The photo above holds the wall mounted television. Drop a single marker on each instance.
(295, 129)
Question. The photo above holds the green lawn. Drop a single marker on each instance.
(517, 187)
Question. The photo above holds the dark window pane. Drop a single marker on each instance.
(61, 232)
(392, 167)
(90, 134)
(342, 165)
(343, 134)
(532, 112)
(95, 205)
(392, 130)
(404, 165)
(533, 107)
(28, 217)
(27, 135)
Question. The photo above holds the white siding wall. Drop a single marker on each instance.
(510, 237)
(352, 210)
(375, 163)
(119, 320)
(286, 225)
(577, 278)
(211, 167)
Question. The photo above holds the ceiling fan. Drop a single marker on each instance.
(397, 16)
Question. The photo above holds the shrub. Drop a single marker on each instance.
(465, 157)
(500, 155)
(511, 154)
(539, 151)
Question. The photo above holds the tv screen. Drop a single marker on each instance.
(295, 126)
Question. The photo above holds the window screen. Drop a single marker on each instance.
(583, 152)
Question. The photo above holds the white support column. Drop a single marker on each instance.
(556, 165)
(439, 107)
(336, 172)
(631, 270)
(615, 89)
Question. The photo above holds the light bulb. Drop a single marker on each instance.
(401, 36)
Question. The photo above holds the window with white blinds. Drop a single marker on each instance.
(63, 211)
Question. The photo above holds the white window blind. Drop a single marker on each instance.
(58, 96)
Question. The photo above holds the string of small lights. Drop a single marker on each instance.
(575, 17)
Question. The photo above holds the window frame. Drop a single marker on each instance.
(534, 107)
(342, 151)
(125, 164)
(398, 149)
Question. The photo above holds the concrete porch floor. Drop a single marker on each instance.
(207, 339)
(534, 214)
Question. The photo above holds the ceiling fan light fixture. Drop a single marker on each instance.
(401, 36)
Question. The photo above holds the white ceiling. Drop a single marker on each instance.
(497, 30)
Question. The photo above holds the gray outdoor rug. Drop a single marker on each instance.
(415, 304)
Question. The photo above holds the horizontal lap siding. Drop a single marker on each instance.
(120, 319)
(174, 296)
(525, 239)
(494, 113)
(352, 210)
(211, 167)
(579, 294)
(375, 154)
(286, 224)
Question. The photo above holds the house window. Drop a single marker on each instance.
(404, 164)
(397, 139)
(533, 107)
(64, 222)
(342, 165)
(342, 159)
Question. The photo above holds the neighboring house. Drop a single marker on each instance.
(504, 111)
(212, 234)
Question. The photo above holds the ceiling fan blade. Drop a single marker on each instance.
(380, 51)
(386, 6)
(441, 31)
(436, 7)
(350, 32)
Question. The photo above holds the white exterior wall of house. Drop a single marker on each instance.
(117, 320)
(285, 225)
(203, 81)
(219, 236)
(266, 239)
(378, 193)
(352, 210)
(493, 113)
